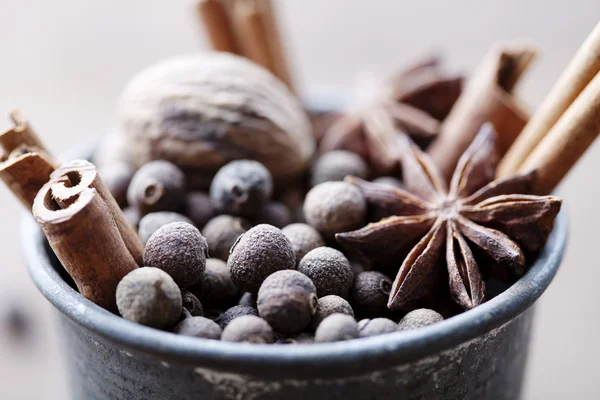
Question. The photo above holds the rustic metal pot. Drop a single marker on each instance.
(480, 354)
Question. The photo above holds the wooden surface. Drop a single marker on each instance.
(65, 62)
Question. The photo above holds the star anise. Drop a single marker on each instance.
(413, 102)
(477, 219)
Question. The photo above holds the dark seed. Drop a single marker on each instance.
(419, 318)
(257, 254)
(276, 214)
(216, 286)
(304, 238)
(236, 312)
(370, 292)
(248, 328)
(157, 186)
(287, 300)
(180, 250)
(221, 232)
(149, 296)
(198, 208)
(337, 327)
(327, 306)
(199, 327)
(329, 270)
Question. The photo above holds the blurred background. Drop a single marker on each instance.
(64, 63)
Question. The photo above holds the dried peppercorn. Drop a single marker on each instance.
(337, 327)
(133, 216)
(376, 326)
(334, 207)
(216, 287)
(327, 306)
(152, 221)
(191, 303)
(329, 270)
(287, 300)
(248, 328)
(419, 318)
(221, 232)
(199, 327)
(236, 312)
(336, 165)
(180, 250)
(276, 214)
(117, 177)
(241, 187)
(198, 207)
(157, 186)
(389, 181)
(257, 254)
(370, 292)
(149, 296)
(304, 238)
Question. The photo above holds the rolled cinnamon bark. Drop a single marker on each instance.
(568, 139)
(251, 32)
(20, 134)
(487, 97)
(72, 178)
(280, 65)
(580, 71)
(86, 240)
(217, 24)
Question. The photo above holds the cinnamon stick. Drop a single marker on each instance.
(71, 179)
(218, 26)
(251, 32)
(86, 240)
(487, 98)
(25, 164)
(580, 71)
(280, 65)
(568, 139)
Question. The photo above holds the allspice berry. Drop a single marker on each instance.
(157, 186)
(257, 254)
(151, 222)
(334, 207)
(221, 232)
(419, 318)
(336, 165)
(329, 270)
(276, 214)
(133, 216)
(247, 299)
(191, 303)
(327, 306)
(149, 296)
(376, 326)
(337, 327)
(287, 300)
(198, 208)
(216, 287)
(199, 327)
(249, 329)
(116, 177)
(370, 292)
(242, 187)
(304, 238)
(389, 181)
(236, 312)
(180, 250)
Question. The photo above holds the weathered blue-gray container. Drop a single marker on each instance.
(480, 354)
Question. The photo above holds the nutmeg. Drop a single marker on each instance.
(203, 110)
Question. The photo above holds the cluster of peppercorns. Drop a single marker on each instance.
(274, 275)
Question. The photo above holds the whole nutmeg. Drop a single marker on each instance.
(198, 208)
(257, 254)
(151, 222)
(180, 250)
(327, 306)
(329, 270)
(203, 110)
(191, 304)
(216, 286)
(276, 214)
(419, 318)
(150, 297)
(236, 312)
(199, 327)
(334, 207)
(370, 292)
(248, 329)
(287, 300)
(337, 327)
(376, 326)
(157, 186)
(336, 165)
(221, 232)
(242, 187)
(304, 238)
